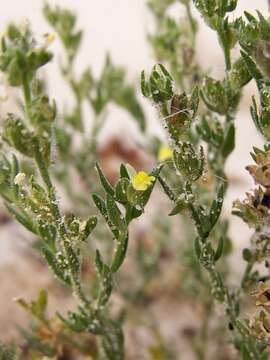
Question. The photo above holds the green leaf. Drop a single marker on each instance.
(199, 222)
(83, 321)
(90, 225)
(120, 251)
(197, 247)
(121, 190)
(42, 301)
(132, 213)
(48, 234)
(101, 205)
(8, 352)
(144, 86)
(17, 135)
(14, 172)
(165, 71)
(105, 280)
(113, 341)
(239, 75)
(59, 268)
(189, 164)
(194, 100)
(123, 172)
(251, 65)
(73, 260)
(264, 24)
(249, 16)
(37, 344)
(214, 95)
(254, 114)
(220, 249)
(229, 141)
(160, 85)
(247, 255)
(216, 206)
(37, 307)
(105, 183)
(168, 191)
(22, 218)
(115, 214)
(179, 207)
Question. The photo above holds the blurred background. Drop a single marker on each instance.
(118, 27)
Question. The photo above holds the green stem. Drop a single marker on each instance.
(227, 56)
(192, 23)
(201, 348)
(94, 134)
(223, 39)
(27, 96)
(66, 243)
(246, 274)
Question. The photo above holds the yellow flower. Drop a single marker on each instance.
(49, 38)
(164, 153)
(141, 181)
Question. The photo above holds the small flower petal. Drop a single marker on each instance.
(164, 153)
(141, 181)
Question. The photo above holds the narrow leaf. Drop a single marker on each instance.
(105, 183)
(229, 141)
(220, 249)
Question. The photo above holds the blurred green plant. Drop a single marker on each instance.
(110, 87)
(33, 201)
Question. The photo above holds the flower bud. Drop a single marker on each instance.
(261, 55)
(214, 96)
(189, 164)
(261, 117)
(42, 113)
(159, 87)
(215, 7)
(19, 55)
(183, 110)
(17, 135)
(239, 75)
